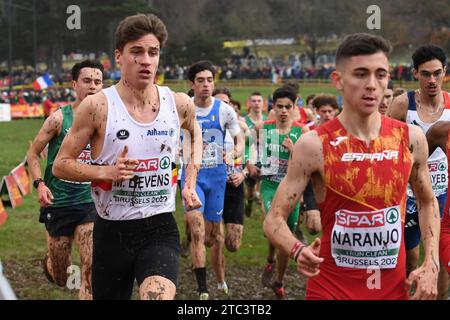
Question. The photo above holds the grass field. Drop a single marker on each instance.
(22, 238)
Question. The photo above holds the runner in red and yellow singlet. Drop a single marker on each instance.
(362, 218)
(360, 164)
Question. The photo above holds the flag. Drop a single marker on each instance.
(8, 186)
(20, 175)
(43, 82)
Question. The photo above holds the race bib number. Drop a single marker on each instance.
(210, 155)
(363, 239)
(275, 170)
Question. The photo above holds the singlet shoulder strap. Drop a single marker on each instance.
(446, 99)
(411, 100)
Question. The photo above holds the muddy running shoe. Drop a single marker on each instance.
(184, 248)
(223, 294)
(266, 277)
(280, 293)
(204, 296)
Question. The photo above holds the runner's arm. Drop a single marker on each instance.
(192, 147)
(236, 132)
(50, 129)
(437, 136)
(89, 117)
(398, 108)
(306, 159)
(426, 275)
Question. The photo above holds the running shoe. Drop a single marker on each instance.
(204, 296)
(280, 293)
(223, 294)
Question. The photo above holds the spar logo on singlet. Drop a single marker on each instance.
(85, 156)
(152, 164)
(379, 156)
(372, 219)
(147, 165)
(437, 166)
(363, 220)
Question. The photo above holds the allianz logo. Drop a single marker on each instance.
(156, 132)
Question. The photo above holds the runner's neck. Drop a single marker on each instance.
(203, 103)
(435, 103)
(255, 116)
(138, 98)
(365, 128)
(284, 127)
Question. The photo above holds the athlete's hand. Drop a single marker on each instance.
(313, 222)
(258, 126)
(190, 199)
(228, 158)
(253, 171)
(124, 167)
(237, 178)
(425, 280)
(45, 196)
(308, 262)
(288, 144)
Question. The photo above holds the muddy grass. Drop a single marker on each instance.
(28, 282)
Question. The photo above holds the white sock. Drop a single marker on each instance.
(222, 286)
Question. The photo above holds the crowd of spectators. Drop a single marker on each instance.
(30, 96)
(297, 67)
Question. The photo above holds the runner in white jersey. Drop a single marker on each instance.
(133, 128)
(424, 107)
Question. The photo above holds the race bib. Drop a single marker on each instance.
(275, 170)
(151, 185)
(367, 239)
(439, 175)
(210, 155)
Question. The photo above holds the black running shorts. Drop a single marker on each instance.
(62, 221)
(233, 210)
(126, 250)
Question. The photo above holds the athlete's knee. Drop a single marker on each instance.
(196, 227)
(234, 237)
(215, 238)
(197, 233)
(232, 245)
(157, 288)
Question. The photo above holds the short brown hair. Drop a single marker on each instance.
(323, 100)
(358, 44)
(134, 27)
(222, 90)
